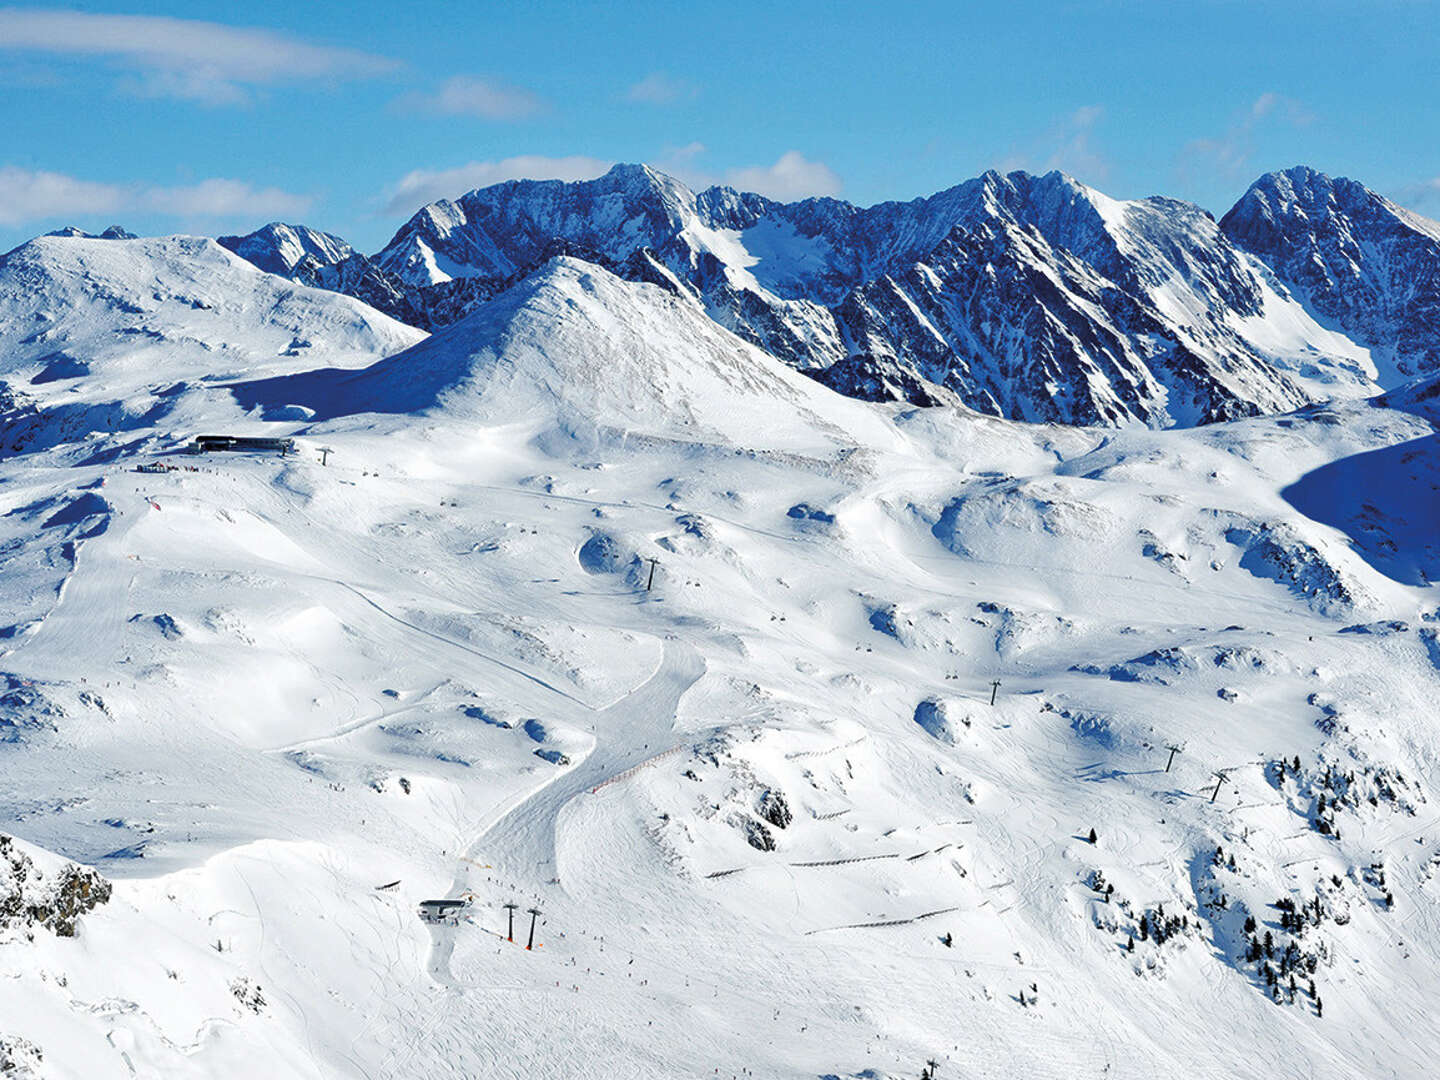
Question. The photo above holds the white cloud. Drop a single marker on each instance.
(792, 177)
(223, 198)
(658, 88)
(27, 196)
(184, 58)
(425, 186)
(1264, 105)
(1077, 154)
(1229, 153)
(1069, 145)
(684, 153)
(472, 95)
(36, 196)
(1422, 196)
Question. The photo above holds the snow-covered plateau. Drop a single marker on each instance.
(811, 734)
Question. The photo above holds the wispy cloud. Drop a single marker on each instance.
(658, 88)
(223, 198)
(1076, 152)
(792, 176)
(680, 155)
(425, 186)
(1422, 197)
(27, 196)
(473, 95)
(160, 56)
(1069, 145)
(1228, 154)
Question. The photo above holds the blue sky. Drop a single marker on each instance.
(212, 117)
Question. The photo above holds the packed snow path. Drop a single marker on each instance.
(522, 840)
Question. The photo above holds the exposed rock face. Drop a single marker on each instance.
(1032, 297)
(757, 835)
(279, 248)
(114, 232)
(1357, 258)
(774, 808)
(54, 898)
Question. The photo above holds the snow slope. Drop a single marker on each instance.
(114, 334)
(574, 350)
(771, 820)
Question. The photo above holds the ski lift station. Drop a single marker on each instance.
(243, 443)
(440, 911)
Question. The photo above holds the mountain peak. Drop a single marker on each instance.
(635, 172)
(113, 232)
(277, 248)
(1362, 261)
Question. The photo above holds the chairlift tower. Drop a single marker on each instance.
(510, 932)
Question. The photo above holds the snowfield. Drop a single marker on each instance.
(594, 608)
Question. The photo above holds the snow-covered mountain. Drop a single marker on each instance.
(278, 248)
(109, 334)
(1368, 266)
(113, 232)
(756, 787)
(573, 352)
(1030, 297)
(823, 737)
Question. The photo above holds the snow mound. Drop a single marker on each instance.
(577, 352)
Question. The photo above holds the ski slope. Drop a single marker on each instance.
(258, 689)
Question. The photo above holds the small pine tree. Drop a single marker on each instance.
(1249, 924)
(1129, 944)
(1093, 838)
